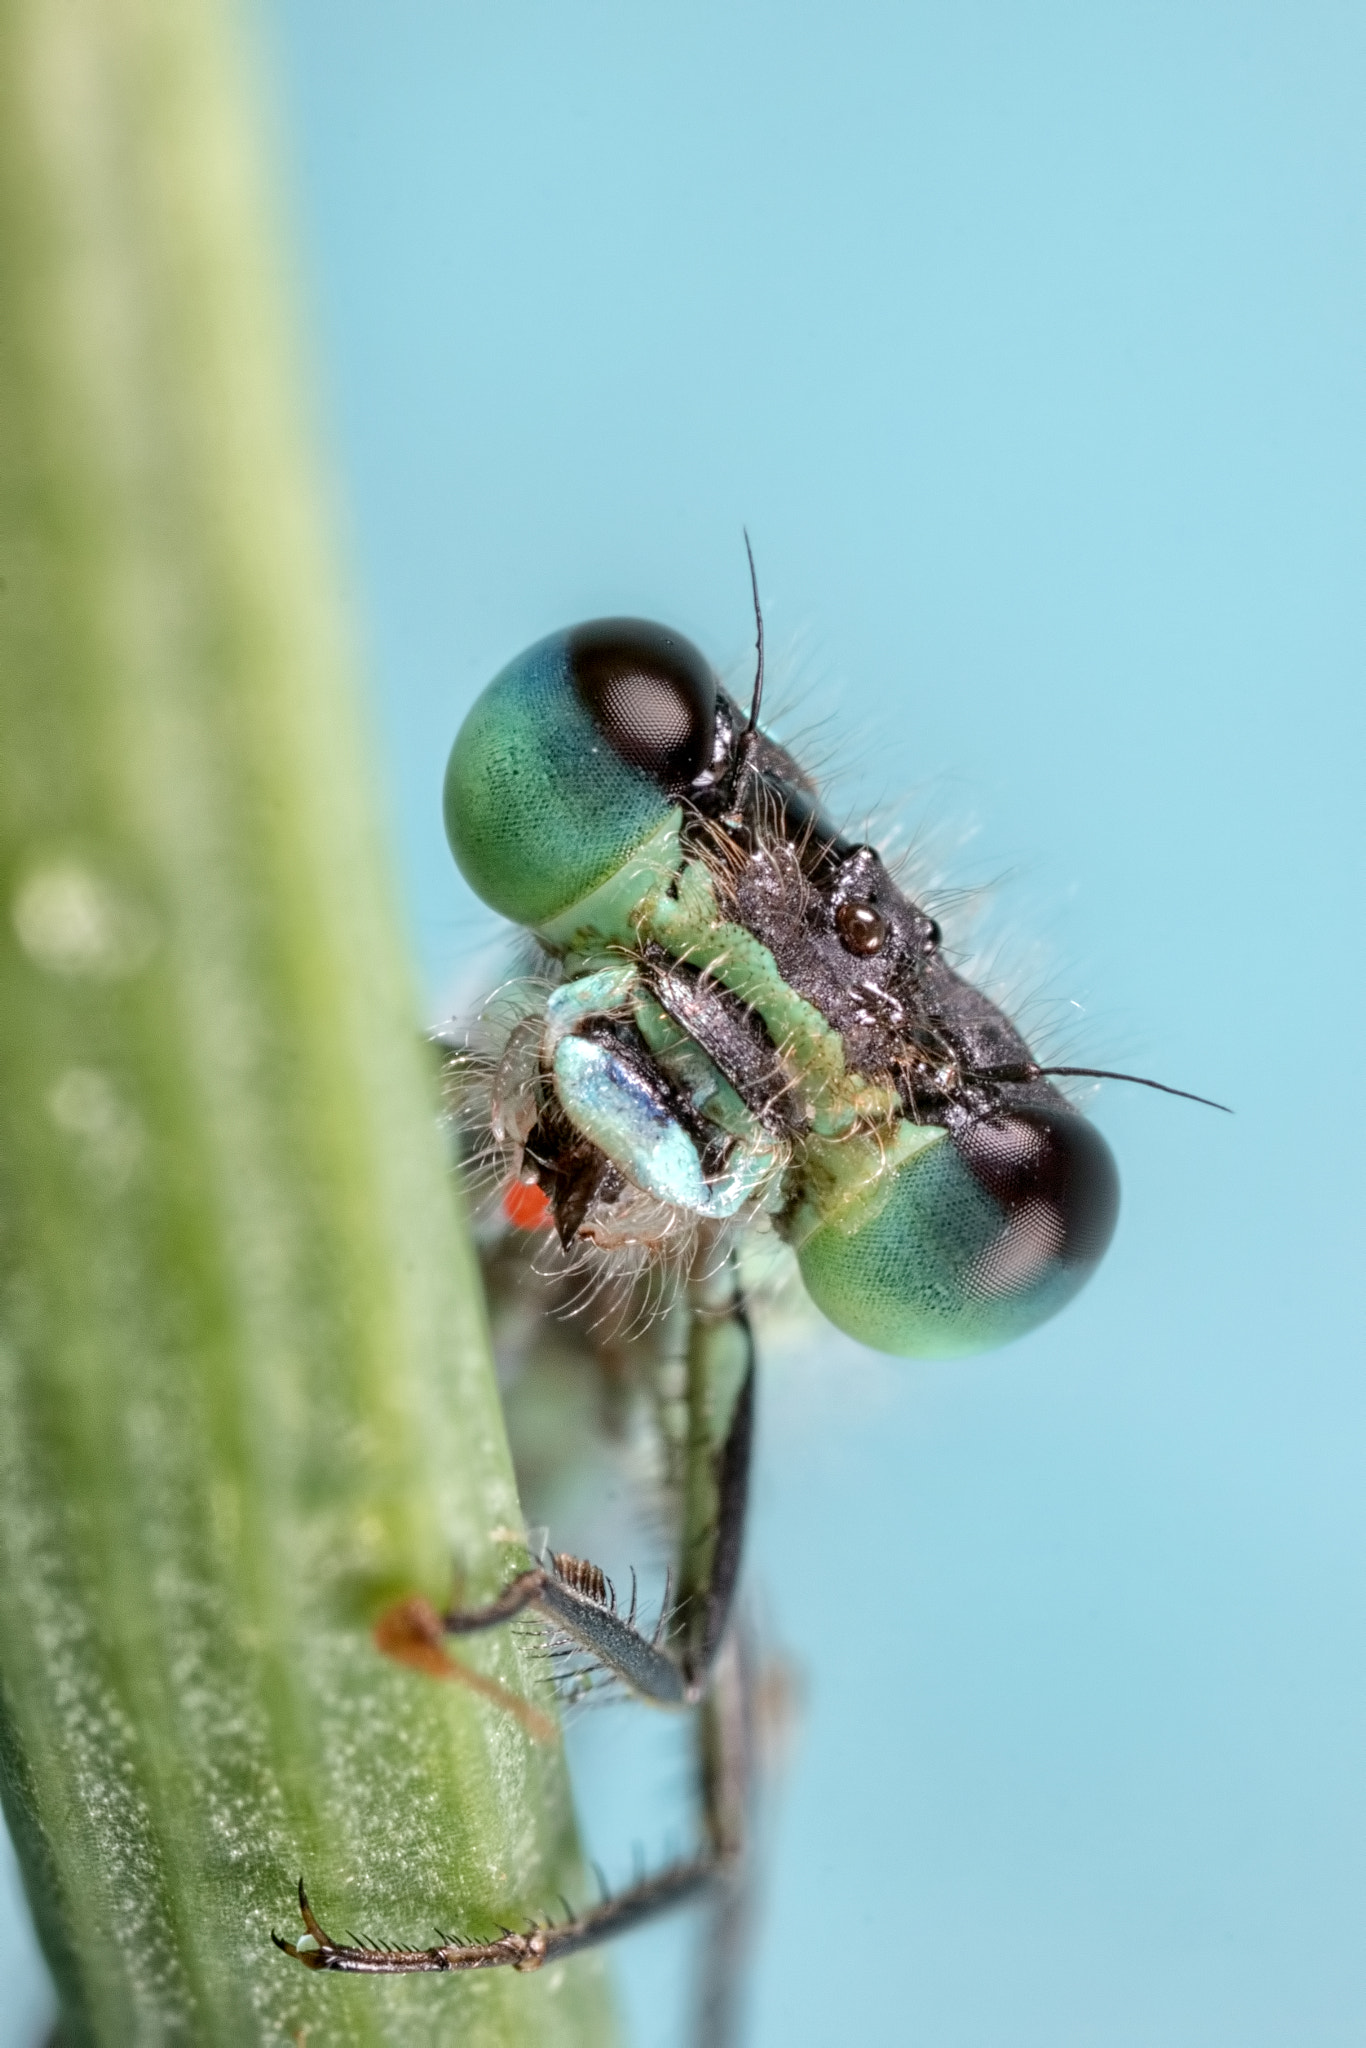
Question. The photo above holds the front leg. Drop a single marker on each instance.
(574, 1596)
(543, 1942)
(671, 1666)
(691, 1658)
(716, 1874)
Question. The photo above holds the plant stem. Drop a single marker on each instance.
(245, 1393)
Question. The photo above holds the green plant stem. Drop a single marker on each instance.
(245, 1394)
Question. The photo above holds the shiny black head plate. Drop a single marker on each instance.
(650, 693)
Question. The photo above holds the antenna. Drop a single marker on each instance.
(1029, 1072)
(758, 696)
(748, 742)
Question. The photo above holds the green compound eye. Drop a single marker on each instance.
(573, 758)
(984, 1234)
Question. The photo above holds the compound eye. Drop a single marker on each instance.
(982, 1235)
(1053, 1176)
(570, 764)
(650, 694)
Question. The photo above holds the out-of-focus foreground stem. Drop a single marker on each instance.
(245, 1398)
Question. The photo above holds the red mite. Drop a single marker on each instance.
(526, 1207)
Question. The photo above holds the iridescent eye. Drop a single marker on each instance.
(572, 759)
(983, 1235)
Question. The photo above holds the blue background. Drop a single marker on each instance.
(1028, 340)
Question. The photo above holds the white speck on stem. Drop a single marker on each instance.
(72, 921)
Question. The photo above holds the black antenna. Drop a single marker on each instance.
(758, 696)
(1030, 1072)
(747, 745)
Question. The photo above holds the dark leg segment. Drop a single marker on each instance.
(544, 1942)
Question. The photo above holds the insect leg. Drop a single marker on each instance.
(720, 1439)
(687, 1662)
(672, 1671)
(543, 1942)
(575, 1597)
(717, 1874)
(726, 1770)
